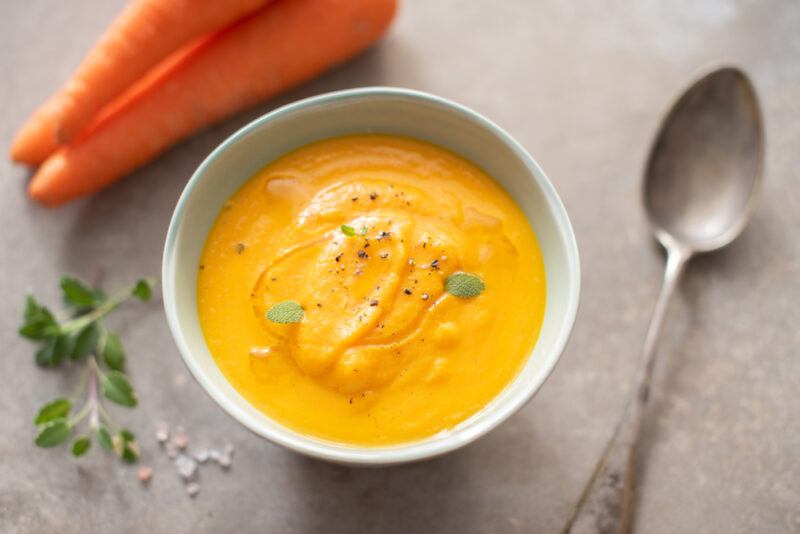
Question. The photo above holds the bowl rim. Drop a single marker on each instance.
(412, 451)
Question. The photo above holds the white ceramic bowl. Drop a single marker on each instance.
(370, 110)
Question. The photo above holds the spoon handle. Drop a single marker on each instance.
(605, 505)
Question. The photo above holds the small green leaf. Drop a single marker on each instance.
(349, 231)
(125, 446)
(286, 312)
(35, 330)
(44, 356)
(117, 388)
(143, 290)
(104, 438)
(39, 322)
(63, 348)
(54, 350)
(53, 433)
(464, 285)
(78, 294)
(53, 410)
(113, 354)
(85, 341)
(130, 450)
(81, 445)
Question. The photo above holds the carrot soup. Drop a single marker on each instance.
(371, 290)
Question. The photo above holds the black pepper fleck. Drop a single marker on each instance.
(407, 291)
(373, 196)
(435, 264)
(239, 248)
(373, 302)
(354, 199)
(384, 255)
(362, 254)
(337, 258)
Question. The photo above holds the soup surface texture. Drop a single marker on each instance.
(363, 232)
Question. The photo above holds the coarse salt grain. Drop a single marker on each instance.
(144, 474)
(186, 467)
(192, 489)
(180, 440)
(201, 456)
(171, 449)
(162, 432)
(224, 461)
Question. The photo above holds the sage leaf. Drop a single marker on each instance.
(104, 438)
(286, 312)
(113, 354)
(85, 341)
(143, 290)
(54, 350)
(53, 433)
(118, 389)
(464, 285)
(39, 322)
(81, 445)
(53, 410)
(78, 294)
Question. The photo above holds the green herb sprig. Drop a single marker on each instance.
(82, 336)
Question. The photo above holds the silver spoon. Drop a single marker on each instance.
(700, 186)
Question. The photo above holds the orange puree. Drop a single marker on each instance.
(383, 354)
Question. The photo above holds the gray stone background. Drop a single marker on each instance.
(582, 85)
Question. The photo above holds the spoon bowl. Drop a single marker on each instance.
(704, 170)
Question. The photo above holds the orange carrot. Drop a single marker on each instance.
(144, 34)
(282, 45)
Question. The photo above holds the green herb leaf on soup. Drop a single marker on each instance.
(349, 231)
(286, 312)
(464, 285)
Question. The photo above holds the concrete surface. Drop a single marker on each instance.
(582, 85)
